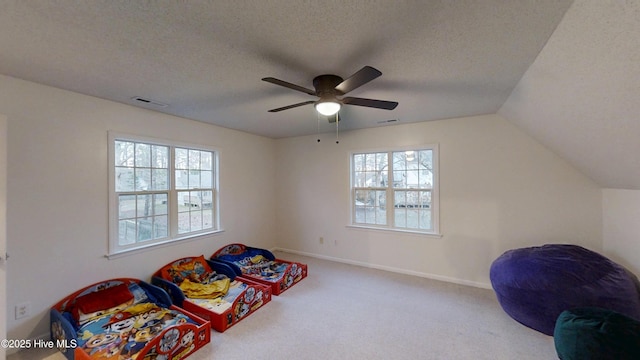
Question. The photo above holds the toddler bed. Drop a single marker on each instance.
(262, 266)
(211, 290)
(122, 319)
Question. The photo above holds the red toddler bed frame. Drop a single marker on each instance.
(262, 266)
(224, 310)
(125, 318)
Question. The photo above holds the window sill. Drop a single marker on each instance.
(408, 232)
(167, 243)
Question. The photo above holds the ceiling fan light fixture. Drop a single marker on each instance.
(328, 107)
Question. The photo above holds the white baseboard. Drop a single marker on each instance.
(388, 268)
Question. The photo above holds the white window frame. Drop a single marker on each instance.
(389, 190)
(114, 248)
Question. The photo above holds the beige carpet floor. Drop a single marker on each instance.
(343, 311)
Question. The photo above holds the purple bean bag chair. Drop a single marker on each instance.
(534, 285)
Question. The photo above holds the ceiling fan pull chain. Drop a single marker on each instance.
(318, 125)
(337, 121)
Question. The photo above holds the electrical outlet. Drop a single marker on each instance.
(321, 240)
(22, 310)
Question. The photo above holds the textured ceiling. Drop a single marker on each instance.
(206, 59)
(564, 71)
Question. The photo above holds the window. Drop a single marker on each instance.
(159, 192)
(395, 190)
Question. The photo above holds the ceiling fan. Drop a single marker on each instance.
(331, 88)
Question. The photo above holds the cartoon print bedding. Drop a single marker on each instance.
(126, 319)
(211, 290)
(262, 266)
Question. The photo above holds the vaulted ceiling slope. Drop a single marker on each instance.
(581, 97)
(572, 89)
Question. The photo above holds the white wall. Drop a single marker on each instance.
(57, 193)
(621, 227)
(500, 189)
(3, 231)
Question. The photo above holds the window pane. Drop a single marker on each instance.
(124, 153)
(425, 178)
(182, 179)
(207, 219)
(127, 232)
(409, 171)
(194, 179)
(370, 162)
(399, 179)
(187, 199)
(425, 220)
(143, 155)
(372, 179)
(182, 159)
(124, 179)
(144, 206)
(360, 179)
(399, 161)
(160, 227)
(160, 157)
(361, 208)
(425, 199)
(381, 216)
(207, 200)
(426, 159)
(412, 209)
(360, 214)
(358, 162)
(370, 207)
(196, 220)
(412, 199)
(206, 179)
(381, 161)
(143, 179)
(412, 218)
(194, 159)
(400, 216)
(145, 229)
(183, 200)
(126, 206)
(400, 199)
(183, 222)
(361, 197)
(370, 170)
(159, 179)
(160, 204)
(143, 182)
(206, 160)
(411, 178)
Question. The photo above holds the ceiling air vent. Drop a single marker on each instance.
(148, 102)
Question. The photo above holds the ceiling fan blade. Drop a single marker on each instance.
(358, 79)
(292, 106)
(378, 104)
(289, 85)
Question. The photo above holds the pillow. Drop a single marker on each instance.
(97, 301)
(195, 269)
(85, 318)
